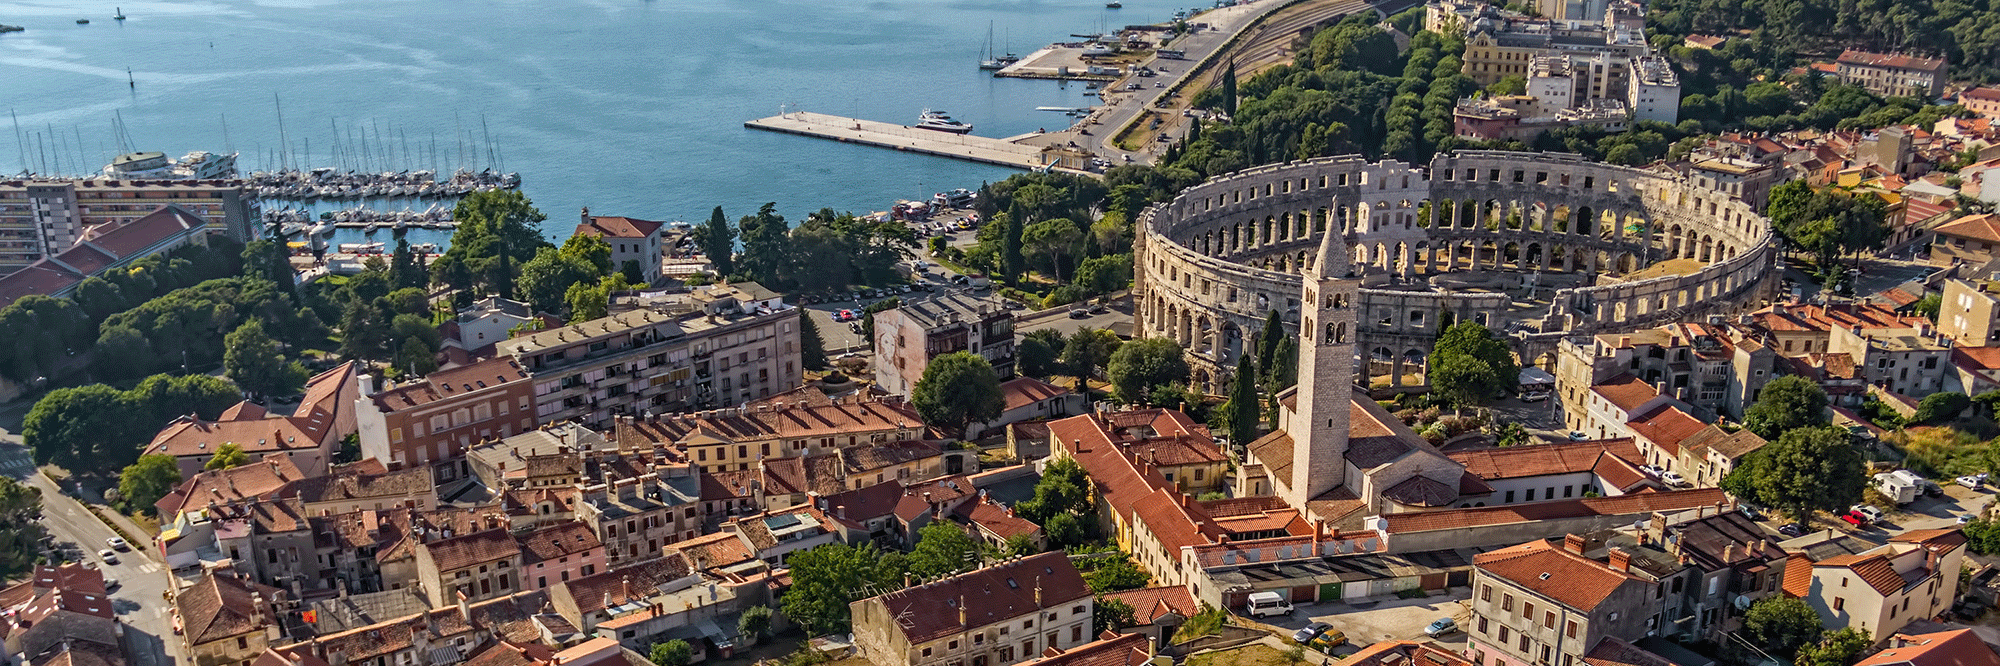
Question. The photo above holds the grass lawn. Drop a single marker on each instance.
(1248, 655)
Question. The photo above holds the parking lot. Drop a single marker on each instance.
(1373, 621)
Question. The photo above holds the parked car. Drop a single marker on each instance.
(1534, 396)
(1854, 518)
(1329, 640)
(111, 584)
(1673, 478)
(1311, 631)
(118, 543)
(1869, 511)
(109, 556)
(1975, 481)
(1577, 436)
(1792, 530)
(1079, 313)
(1751, 511)
(1440, 627)
(1964, 518)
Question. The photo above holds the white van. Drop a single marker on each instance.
(1266, 604)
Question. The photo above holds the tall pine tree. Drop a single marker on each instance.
(1229, 89)
(1012, 262)
(1243, 407)
(1267, 343)
(718, 241)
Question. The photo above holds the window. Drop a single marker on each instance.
(1076, 611)
(1482, 625)
(1524, 644)
(1027, 624)
(1571, 629)
(1485, 593)
(1507, 602)
(951, 646)
(1528, 610)
(1503, 635)
(1548, 619)
(1076, 634)
(1838, 603)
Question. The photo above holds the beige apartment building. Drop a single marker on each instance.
(1892, 74)
(429, 422)
(1970, 312)
(1880, 590)
(1003, 614)
(720, 346)
(909, 336)
(1542, 604)
(43, 217)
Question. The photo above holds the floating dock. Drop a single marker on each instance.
(1019, 152)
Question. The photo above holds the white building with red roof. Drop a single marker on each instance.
(1544, 603)
(309, 436)
(631, 239)
(998, 615)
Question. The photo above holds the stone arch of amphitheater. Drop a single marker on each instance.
(1538, 246)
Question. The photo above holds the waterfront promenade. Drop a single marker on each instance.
(1021, 152)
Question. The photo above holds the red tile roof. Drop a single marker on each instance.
(1626, 392)
(1614, 651)
(980, 598)
(1945, 648)
(447, 384)
(103, 246)
(1024, 391)
(1110, 649)
(1533, 511)
(617, 227)
(1547, 569)
(1665, 427)
(1890, 61)
(1982, 227)
(1982, 93)
(222, 606)
(264, 478)
(472, 549)
(999, 520)
(1546, 459)
(558, 541)
(1149, 603)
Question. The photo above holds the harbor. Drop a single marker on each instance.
(1031, 151)
(327, 183)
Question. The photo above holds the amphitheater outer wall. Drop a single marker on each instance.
(1212, 263)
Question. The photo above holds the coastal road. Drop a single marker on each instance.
(139, 602)
(1269, 41)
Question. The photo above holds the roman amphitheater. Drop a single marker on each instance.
(1536, 246)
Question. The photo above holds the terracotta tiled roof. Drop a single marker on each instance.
(826, 473)
(1982, 227)
(617, 227)
(1149, 603)
(855, 507)
(1110, 649)
(1024, 391)
(1872, 568)
(860, 459)
(264, 478)
(1547, 569)
(558, 541)
(1178, 450)
(1170, 523)
(1546, 459)
(1535, 511)
(1977, 358)
(451, 383)
(1890, 61)
(625, 584)
(1614, 651)
(1665, 427)
(999, 520)
(1405, 653)
(1945, 648)
(472, 549)
(101, 247)
(784, 476)
(318, 413)
(788, 421)
(980, 598)
(345, 485)
(222, 606)
(1625, 392)
(1899, 297)
(711, 551)
(503, 653)
(721, 486)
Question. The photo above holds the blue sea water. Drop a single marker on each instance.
(629, 107)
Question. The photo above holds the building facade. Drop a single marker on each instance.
(909, 336)
(632, 241)
(1892, 74)
(996, 616)
(431, 421)
(43, 217)
(1547, 604)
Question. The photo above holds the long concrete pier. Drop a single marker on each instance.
(1017, 152)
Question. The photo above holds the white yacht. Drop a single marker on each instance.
(937, 120)
(154, 165)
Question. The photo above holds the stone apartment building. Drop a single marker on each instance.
(1715, 368)
(632, 240)
(1910, 361)
(430, 422)
(740, 438)
(637, 511)
(547, 457)
(1892, 74)
(226, 620)
(559, 552)
(1703, 563)
(909, 336)
(721, 345)
(43, 217)
(481, 565)
(996, 616)
(1544, 603)
(1881, 589)
(1970, 312)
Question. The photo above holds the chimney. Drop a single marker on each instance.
(840, 511)
(963, 620)
(1573, 543)
(1620, 560)
(586, 215)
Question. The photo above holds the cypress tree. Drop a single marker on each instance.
(1267, 344)
(1012, 263)
(1229, 89)
(1243, 407)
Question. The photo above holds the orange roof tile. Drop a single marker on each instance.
(1665, 427)
(1626, 392)
(1545, 568)
(1982, 227)
(1945, 648)
(1534, 511)
(1566, 458)
(1024, 391)
(1149, 603)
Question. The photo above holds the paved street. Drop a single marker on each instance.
(139, 601)
(1117, 317)
(1384, 619)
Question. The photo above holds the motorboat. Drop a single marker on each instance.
(120, 16)
(1098, 49)
(937, 120)
(1113, 5)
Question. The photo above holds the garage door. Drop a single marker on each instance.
(1304, 594)
(1329, 591)
(1432, 581)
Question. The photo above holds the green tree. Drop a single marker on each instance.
(592, 300)
(956, 390)
(1786, 403)
(1929, 305)
(766, 244)
(415, 357)
(545, 280)
(405, 271)
(718, 241)
(1512, 84)
(632, 272)
(269, 260)
(1112, 615)
(1036, 356)
(1242, 408)
(1267, 340)
(1063, 489)
(228, 455)
(251, 359)
(675, 652)
(812, 348)
(1229, 95)
(364, 332)
(1840, 647)
(1139, 366)
(1054, 240)
(755, 623)
(1021, 545)
(1087, 350)
(1780, 625)
(1013, 266)
(495, 233)
(143, 483)
(83, 429)
(944, 549)
(1812, 468)
(1940, 408)
(1469, 365)
(1114, 574)
(827, 578)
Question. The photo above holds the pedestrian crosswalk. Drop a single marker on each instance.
(17, 464)
(149, 567)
